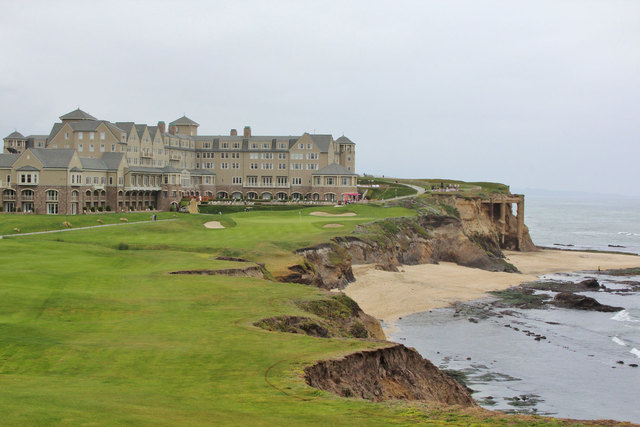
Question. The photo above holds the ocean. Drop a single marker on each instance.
(586, 366)
(579, 222)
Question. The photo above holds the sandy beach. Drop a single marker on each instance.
(388, 295)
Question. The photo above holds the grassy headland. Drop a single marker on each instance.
(94, 330)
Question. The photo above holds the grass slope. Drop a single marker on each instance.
(93, 334)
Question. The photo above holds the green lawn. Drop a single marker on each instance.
(466, 188)
(387, 189)
(90, 334)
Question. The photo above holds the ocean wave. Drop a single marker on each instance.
(618, 341)
(635, 352)
(626, 233)
(624, 316)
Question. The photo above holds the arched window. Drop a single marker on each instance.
(52, 195)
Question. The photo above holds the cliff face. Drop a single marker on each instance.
(336, 316)
(395, 372)
(392, 242)
(484, 217)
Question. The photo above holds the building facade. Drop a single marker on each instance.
(88, 163)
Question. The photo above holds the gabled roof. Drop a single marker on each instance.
(152, 131)
(140, 129)
(15, 135)
(115, 129)
(322, 141)
(334, 169)
(112, 160)
(125, 126)
(28, 168)
(76, 169)
(7, 160)
(37, 137)
(85, 125)
(344, 140)
(184, 121)
(54, 158)
(77, 114)
(89, 163)
(54, 130)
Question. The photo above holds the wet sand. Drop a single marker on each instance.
(389, 296)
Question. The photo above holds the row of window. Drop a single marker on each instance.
(92, 148)
(92, 135)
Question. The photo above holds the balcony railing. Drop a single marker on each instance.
(142, 188)
(261, 185)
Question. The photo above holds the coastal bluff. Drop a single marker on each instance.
(472, 238)
(395, 372)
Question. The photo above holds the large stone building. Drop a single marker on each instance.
(85, 162)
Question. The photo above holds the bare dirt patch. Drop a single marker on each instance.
(330, 214)
(213, 224)
(333, 225)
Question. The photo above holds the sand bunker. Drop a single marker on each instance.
(213, 224)
(333, 225)
(330, 214)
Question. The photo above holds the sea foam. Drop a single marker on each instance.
(618, 341)
(635, 352)
(624, 316)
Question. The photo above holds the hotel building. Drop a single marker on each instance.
(85, 162)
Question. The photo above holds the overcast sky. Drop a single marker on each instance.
(537, 94)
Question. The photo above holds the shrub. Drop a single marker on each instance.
(100, 208)
(122, 246)
(93, 208)
(108, 208)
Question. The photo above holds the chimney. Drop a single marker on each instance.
(173, 129)
(233, 132)
(161, 127)
(247, 131)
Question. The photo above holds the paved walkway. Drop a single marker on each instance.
(81, 228)
(420, 191)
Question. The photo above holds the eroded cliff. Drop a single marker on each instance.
(395, 372)
(391, 242)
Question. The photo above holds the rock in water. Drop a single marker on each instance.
(581, 302)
